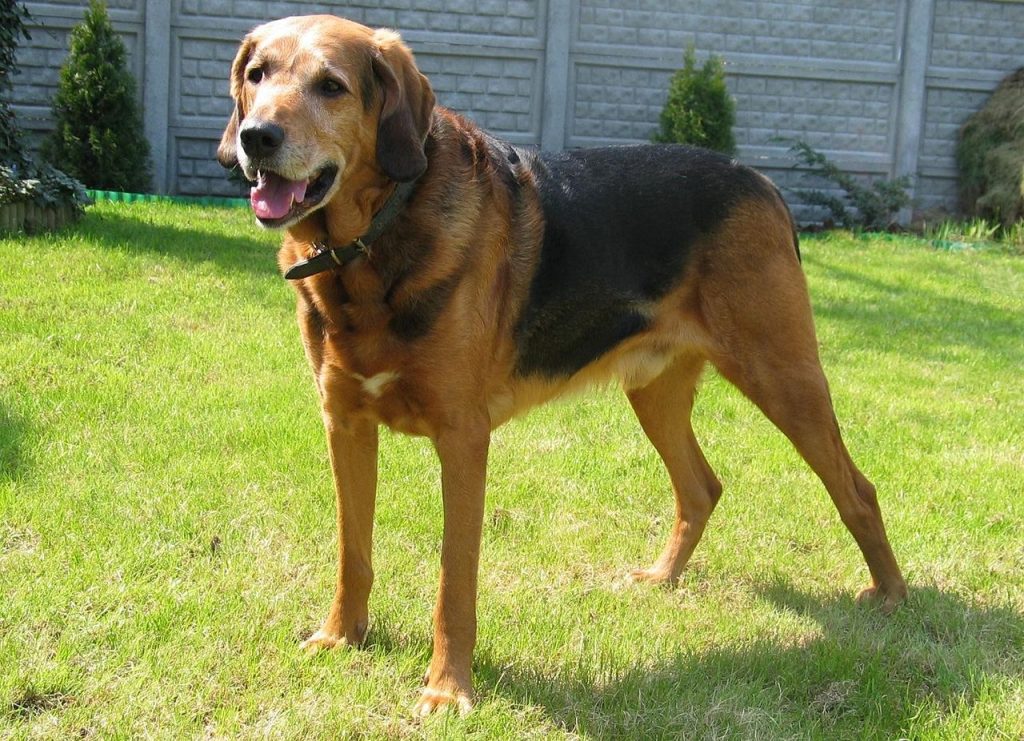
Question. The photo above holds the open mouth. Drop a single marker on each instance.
(277, 201)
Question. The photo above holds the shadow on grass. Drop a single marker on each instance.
(32, 701)
(936, 321)
(12, 430)
(861, 673)
(205, 237)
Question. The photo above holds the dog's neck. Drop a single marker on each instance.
(349, 216)
(326, 252)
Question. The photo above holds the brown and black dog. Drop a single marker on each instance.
(448, 281)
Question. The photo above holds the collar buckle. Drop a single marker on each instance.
(327, 258)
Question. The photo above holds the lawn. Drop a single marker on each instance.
(166, 518)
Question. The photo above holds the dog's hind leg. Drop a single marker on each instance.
(766, 346)
(663, 407)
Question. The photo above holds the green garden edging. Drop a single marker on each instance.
(119, 197)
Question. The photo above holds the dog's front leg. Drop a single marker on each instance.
(353, 451)
(463, 454)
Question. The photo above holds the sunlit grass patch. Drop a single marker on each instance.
(166, 517)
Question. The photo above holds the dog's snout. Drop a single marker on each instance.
(261, 139)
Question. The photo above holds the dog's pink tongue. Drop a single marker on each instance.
(272, 196)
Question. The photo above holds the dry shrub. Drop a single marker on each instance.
(990, 155)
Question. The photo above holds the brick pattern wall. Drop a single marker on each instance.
(616, 102)
(834, 115)
(827, 71)
(492, 89)
(831, 29)
(78, 6)
(491, 17)
(982, 36)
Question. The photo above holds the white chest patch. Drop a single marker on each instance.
(374, 385)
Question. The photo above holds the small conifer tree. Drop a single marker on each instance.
(699, 110)
(98, 136)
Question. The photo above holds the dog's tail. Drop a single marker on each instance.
(796, 237)
(781, 202)
(792, 222)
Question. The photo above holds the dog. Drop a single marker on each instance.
(447, 281)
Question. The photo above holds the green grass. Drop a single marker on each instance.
(166, 518)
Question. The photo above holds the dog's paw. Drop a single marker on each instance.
(432, 700)
(886, 600)
(328, 637)
(322, 641)
(652, 575)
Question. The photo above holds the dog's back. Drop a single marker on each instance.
(622, 225)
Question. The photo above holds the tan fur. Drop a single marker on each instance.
(743, 306)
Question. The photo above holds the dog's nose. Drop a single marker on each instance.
(261, 139)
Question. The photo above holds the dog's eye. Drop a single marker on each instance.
(255, 75)
(330, 88)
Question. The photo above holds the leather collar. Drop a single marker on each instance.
(328, 257)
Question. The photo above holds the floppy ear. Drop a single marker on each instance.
(406, 112)
(227, 152)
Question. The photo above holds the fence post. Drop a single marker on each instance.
(914, 51)
(156, 84)
(556, 74)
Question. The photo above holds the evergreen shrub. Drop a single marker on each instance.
(98, 136)
(699, 110)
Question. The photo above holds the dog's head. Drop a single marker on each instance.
(319, 99)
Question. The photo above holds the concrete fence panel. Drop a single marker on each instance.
(881, 86)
